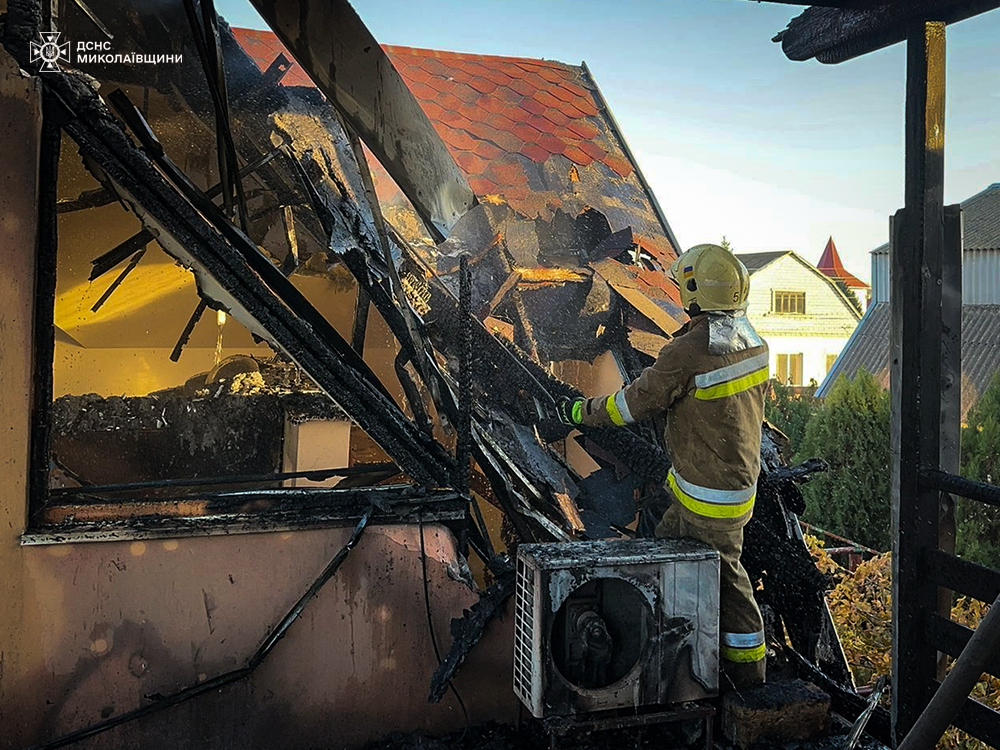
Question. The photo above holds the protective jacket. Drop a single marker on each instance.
(710, 382)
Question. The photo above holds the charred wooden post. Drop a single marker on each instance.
(981, 648)
(45, 289)
(917, 240)
(951, 390)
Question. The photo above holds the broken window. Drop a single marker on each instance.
(163, 407)
(789, 303)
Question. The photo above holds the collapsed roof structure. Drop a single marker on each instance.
(491, 290)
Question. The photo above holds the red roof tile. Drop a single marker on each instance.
(553, 115)
(483, 85)
(536, 152)
(592, 150)
(509, 95)
(576, 154)
(619, 163)
(498, 115)
(492, 104)
(506, 172)
(582, 128)
(498, 121)
(551, 144)
(470, 163)
(522, 88)
(488, 151)
(542, 124)
(533, 106)
(525, 132)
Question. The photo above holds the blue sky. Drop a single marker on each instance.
(735, 139)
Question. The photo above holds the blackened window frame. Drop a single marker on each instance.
(332, 507)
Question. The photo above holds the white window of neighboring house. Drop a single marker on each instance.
(790, 369)
(788, 303)
(830, 359)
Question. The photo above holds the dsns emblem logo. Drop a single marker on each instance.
(49, 51)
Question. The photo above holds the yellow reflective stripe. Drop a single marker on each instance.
(612, 407)
(577, 414)
(744, 655)
(712, 510)
(733, 386)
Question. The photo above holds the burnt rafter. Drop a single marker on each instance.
(245, 281)
(333, 45)
(836, 34)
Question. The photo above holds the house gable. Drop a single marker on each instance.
(828, 312)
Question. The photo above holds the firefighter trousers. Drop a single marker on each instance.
(740, 624)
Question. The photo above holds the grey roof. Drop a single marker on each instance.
(756, 261)
(868, 347)
(982, 221)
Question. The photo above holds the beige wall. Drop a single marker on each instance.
(88, 630)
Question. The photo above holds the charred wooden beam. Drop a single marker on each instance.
(87, 199)
(205, 32)
(45, 289)
(833, 35)
(332, 44)
(118, 280)
(916, 250)
(467, 631)
(249, 285)
(953, 692)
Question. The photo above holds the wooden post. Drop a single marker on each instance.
(951, 392)
(917, 240)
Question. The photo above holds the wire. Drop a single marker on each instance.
(430, 624)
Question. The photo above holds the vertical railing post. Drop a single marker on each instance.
(917, 240)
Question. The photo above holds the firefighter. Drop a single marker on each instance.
(709, 381)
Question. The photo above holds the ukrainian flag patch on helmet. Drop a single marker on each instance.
(688, 271)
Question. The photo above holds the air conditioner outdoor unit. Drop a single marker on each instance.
(614, 624)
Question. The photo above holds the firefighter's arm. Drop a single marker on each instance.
(650, 394)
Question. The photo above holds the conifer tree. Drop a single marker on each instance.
(978, 525)
(850, 429)
(789, 411)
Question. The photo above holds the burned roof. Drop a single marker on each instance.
(535, 132)
(868, 348)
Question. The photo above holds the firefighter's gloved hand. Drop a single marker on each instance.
(551, 430)
(569, 411)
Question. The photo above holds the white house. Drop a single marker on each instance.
(801, 313)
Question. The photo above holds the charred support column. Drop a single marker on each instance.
(951, 390)
(45, 294)
(917, 239)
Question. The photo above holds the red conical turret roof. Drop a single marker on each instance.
(831, 265)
